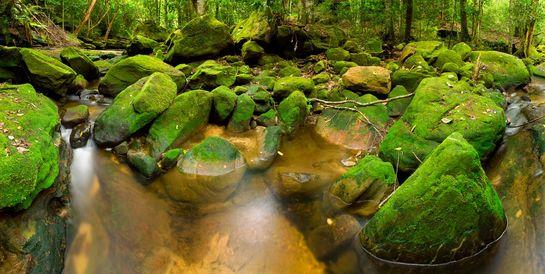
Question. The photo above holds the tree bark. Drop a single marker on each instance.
(408, 19)
(464, 35)
(85, 17)
(390, 33)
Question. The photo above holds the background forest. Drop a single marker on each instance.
(491, 23)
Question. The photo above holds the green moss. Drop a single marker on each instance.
(337, 54)
(287, 85)
(340, 67)
(202, 37)
(242, 115)
(462, 49)
(127, 71)
(445, 211)
(440, 107)
(188, 113)
(80, 63)
(321, 78)
(416, 61)
(397, 107)
(373, 45)
(134, 108)
(447, 56)
(255, 27)
(144, 163)
(29, 158)
(267, 119)
(364, 59)
(252, 51)
(290, 71)
(410, 79)
(213, 149)
(363, 186)
(47, 73)
(507, 70)
(141, 45)
(320, 66)
(211, 74)
(352, 46)
(224, 101)
(425, 48)
(292, 112)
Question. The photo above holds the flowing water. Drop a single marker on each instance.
(126, 224)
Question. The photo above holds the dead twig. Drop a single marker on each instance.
(360, 104)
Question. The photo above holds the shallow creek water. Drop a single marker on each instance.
(126, 224)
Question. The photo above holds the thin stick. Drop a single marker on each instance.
(527, 123)
(360, 104)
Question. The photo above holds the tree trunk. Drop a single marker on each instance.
(85, 17)
(167, 22)
(408, 19)
(529, 36)
(110, 24)
(390, 33)
(464, 35)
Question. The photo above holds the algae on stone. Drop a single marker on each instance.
(47, 73)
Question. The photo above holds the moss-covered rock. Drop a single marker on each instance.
(361, 189)
(425, 48)
(80, 63)
(397, 107)
(47, 73)
(142, 162)
(462, 49)
(287, 85)
(132, 109)
(507, 70)
(268, 118)
(321, 78)
(170, 158)
(445, 211)
(292, 112)
(340, 67)
(252, 51)
(262, 98)
(320, 66)
(410, 79)
(211, 172)
(368, 79)
(127, 71)
(416, 61)
(290, 70)
(268, 143)
(254, 28)
(447, 56)
(212, 74)
(188, 113)
(29, 156)
(352, 46)
(141, 45)
(224, 102)
(75, 115)
(364, 59)
(350, 129)
(440, 107)
(202, 37)
(337, 54)
(242, 115)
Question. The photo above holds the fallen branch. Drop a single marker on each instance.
(360, 104)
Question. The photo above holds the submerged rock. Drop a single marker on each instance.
(440, 107)
(188, 113)
(47, 73)
(361, 189)
(506, 70)
(368, 79)
(80, 135)
(135, 107)
(211, 172)
(80, 63)
(332, 236)
(127, 71)
(142, 161)
(75, 115)
(268, 143)
(29, 152)
(445, 211)
(202, 37)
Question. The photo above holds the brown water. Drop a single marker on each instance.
(125, 224)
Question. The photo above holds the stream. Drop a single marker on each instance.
(123, 223)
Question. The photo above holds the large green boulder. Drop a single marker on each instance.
(255, 28)
(292, 112)
(29, 156)
(447, 56)
(337, 54)
(283, 87)
(447, 210)
(252, 51)
(462, 49)
(361, 189)
(188, 113)
(202, 37)
(409, 78)
(353, 130)
(440, 107)
(507, 70)
(127, 71)
(134, 108)
(141, 45)
(47, 73)
(210, 172)
(368, 79)
(80, 63)
(212, 74)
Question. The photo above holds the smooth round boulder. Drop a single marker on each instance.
(507, 70)
(368, 79)
(283, 87)
(80, 63)
(211, 172)
(445, 211)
